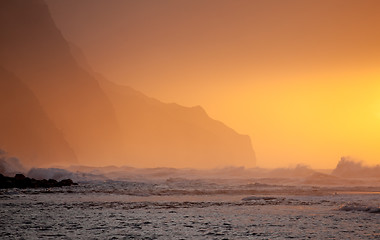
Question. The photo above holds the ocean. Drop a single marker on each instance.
(177, 208)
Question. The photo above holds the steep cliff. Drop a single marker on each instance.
(34, 49)
(161, 134)
(104, 123)
(25, 129)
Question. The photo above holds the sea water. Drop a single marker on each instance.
(189, 209)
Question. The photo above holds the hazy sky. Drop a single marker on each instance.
(302, 78)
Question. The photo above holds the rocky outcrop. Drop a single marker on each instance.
(20, 181)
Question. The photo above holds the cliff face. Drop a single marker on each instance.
(26, 131)
(159, 134)
(104, 123)
(33, 48)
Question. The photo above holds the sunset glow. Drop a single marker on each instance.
(300, 77)
(189, 119)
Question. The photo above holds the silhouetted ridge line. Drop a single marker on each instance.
(100, 121)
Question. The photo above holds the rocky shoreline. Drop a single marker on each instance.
(20, 181)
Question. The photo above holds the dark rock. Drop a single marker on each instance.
(66, 182)
(19, 177)
(20, 181)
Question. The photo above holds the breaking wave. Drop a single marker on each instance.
(352, 207)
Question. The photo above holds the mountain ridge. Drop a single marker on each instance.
(34, 48)
(26, 130)
(103, 122)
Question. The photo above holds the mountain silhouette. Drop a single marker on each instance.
(26, 131)
(34, 49)
(159, 134)
(105, 123)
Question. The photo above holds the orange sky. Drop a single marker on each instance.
(302, 78)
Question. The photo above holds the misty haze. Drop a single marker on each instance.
(189, 119)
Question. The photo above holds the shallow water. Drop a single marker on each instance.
(187, 210)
